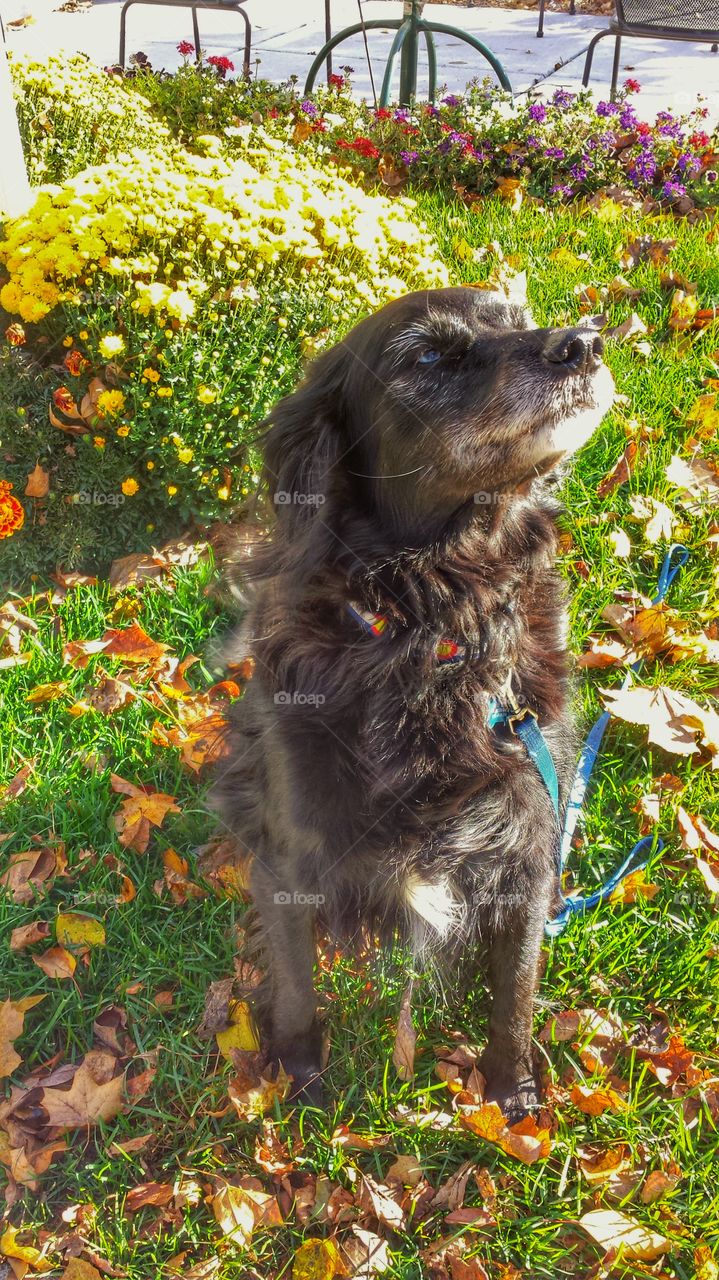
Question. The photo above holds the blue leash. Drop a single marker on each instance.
(674, 560)
(522, 721)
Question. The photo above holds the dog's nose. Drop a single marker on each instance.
(577, 350)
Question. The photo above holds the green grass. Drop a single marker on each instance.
(632, 960)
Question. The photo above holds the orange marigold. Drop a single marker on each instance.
(15, 335)
(62, 399)
(12, 515)
(75, 363)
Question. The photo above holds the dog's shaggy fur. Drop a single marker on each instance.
(411, 475)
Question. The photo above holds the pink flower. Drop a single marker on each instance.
(632, 86)
(185, 48)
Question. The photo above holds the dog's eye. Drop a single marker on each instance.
(429, 357)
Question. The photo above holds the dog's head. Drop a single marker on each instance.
(441, 399)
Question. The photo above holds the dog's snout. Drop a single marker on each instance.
(576, 350)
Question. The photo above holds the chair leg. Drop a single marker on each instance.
(540, 28)
(196, 34)
(248, 44)
(572, 7)
(615, 68)
(123, 23)
(328, 37)
(590, 55)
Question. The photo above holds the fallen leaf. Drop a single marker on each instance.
(78, 1269)
(38, 483)
(73, 929)
(659, 1183)
(251, 1092)
(157, 1193)
(12, 1017)
(621, 472)
(525, 1140)
(25, 935)
(594, 1102)
(671, 718)
(405, 1038)
(318, 1260)
(621, 546)
(698, 481)
(240, 1033)
(142, 809)
(379, 1200)
(627, 1239)
(658, 517)
(28, 873)
(56, 962)
(25, 1254)
(91, 1097)
(239, 1209)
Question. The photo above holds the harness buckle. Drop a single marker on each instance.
(519, 715)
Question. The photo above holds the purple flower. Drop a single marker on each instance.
(628, 118)
(668, 127)
(554, 153)
(408, 157)
(688, 163)
(607, 108)
(451, 100)
(561, 189)
(580, 170)
(538, 112)
(643, 168)
(607, 140)
(309, 108)
(480, 155)
(563, 98)
(401, 115)
(533, 143)
(671, 189)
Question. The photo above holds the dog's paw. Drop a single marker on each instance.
(306, 1085)
(515, 1098)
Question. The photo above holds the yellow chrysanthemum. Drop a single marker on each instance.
(129, 486)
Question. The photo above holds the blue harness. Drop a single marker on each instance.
(523, 723)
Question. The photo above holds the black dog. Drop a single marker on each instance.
(406, 588)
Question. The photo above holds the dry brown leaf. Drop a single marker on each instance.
(238, 1209)
(29, 872)
(621, 472)
(698, 482)
(251, 1092)
(627, 1239)
(594, 1102)
(38, 482)
(25, 935)
(672, 719)
(318, 1260)
(156, 1193)
(405, 1038)
(659, 1183)
(142, 809)
(378, 1199)
(12, 1017)
(93, 1095)
(79, 1269)
(525, 1140)
(56, 962)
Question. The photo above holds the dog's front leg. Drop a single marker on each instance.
(290, 1003)
(513, 963)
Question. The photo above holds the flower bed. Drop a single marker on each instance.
(567, 148)
(155, 307)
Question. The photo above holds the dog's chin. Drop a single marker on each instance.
(560, 439)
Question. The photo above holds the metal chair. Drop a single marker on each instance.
(542, 5)
(224, 5)
(687, 20)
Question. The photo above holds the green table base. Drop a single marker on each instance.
(406, 43)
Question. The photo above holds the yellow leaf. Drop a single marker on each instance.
(9, 1248)
(463, 251)
(630, 1239)
(706, 1267)
(317, 1260)
(46, 692)
(240, 1034)
(56, 963)
(75, 930)
(565, 258)
(682, 310)
(38, 483)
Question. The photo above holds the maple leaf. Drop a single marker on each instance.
(94, 1094)
(142, 809)
(525, 1140)
(594, 1102)
(239, 1208)
(672, 719)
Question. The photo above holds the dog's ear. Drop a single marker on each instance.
(305, 442)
